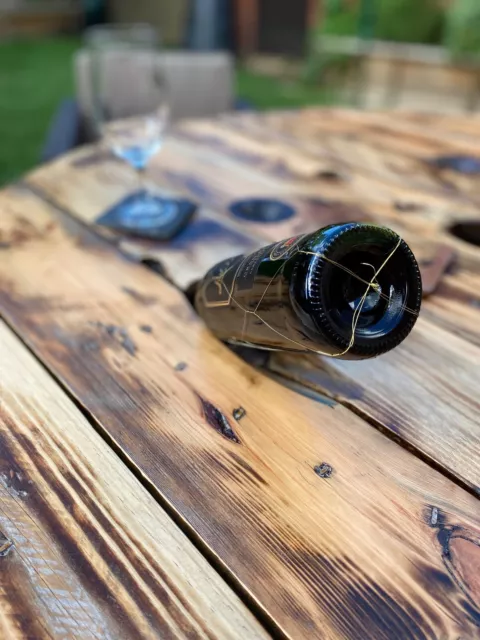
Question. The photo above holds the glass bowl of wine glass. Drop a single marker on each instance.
(131, 112)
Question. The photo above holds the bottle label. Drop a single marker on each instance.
(237, 275)
(248, 269)
(285, 249)
(218, 285)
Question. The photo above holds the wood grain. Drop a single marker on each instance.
(332, 166)
(99, 181)
(85, 551)
(334, 529)
(325, 175)
(425, 391)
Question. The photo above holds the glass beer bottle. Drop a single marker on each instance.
(351, 291)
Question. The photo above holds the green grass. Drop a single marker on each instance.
(35, 75)
(265, 92)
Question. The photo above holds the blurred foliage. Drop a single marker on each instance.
(395, 20)
(462, 29)
(323, 67)
(340, 18)
(418, 21)
(456, 25)
(415, 21)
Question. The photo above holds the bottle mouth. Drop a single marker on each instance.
(369, 287)
(359, 295)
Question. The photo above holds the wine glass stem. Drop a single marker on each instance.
(142, 185)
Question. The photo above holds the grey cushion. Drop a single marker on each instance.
(199, 84)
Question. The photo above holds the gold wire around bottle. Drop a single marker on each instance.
(372, 284)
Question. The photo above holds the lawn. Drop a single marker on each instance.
(34, 77)
(36, 74)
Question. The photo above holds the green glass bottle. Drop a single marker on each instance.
(348, 290)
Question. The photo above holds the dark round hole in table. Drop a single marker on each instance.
(468, 231)
(262, 210)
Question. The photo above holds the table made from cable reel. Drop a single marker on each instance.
(155, 484)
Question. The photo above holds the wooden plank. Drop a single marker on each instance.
(374, 153)
(453, 142)
(85, 550)
(314, 126)
(456, 305)
(88, 552)
(427, 133)
(287, 497)
(388, 143)
(425, 391)
(368, 147)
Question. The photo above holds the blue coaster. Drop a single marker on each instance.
(261, 210)
(145, 215)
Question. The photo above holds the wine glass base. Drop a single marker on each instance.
(146, 214)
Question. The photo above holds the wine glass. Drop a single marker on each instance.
(130, 100)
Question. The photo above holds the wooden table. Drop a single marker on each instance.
(342, 501)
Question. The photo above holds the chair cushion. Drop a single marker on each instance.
(199, 83)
